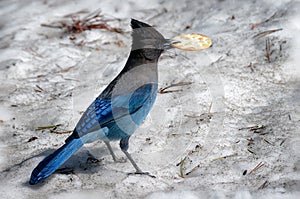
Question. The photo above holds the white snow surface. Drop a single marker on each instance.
(48, 79)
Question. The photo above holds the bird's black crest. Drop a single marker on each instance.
(138, 24)
(143, 31)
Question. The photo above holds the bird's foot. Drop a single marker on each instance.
(142, 173)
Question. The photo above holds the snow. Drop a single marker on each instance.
(47, 79)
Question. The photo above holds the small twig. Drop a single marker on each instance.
(40, 76)
(281, 143)
(224, 157)
(264, 33)
(92, 15)
(219, 59)
(61, 132)
(268, 142)
(67, 69)
(39, 89)
(253, 128)
(48, 127)
(268, 54)
(53, 128)
(251, 67)
(193, 169)
(251, 151)
(253, 26)
(164, 90)
(264, 185)
(76, 25)
(84, 11)
(193, 116)
(197, 147)
(181, 168)
(181, 163)
(281, 45)
(257, 167)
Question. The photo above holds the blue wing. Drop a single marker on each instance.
(103, 113)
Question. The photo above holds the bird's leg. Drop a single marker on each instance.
(124, 147)
(113, 155)
(111, 151)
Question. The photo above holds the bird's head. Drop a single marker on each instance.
(148, 40)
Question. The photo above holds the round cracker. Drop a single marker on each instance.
(192, 42)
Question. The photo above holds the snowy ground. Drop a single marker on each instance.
(48, 79)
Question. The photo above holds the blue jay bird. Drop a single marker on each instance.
(118, 111)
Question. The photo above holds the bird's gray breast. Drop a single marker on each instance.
(135, 78)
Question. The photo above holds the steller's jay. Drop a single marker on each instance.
(118, 111)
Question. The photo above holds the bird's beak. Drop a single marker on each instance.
(168, 44)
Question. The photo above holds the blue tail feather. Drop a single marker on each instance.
(52, 162)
